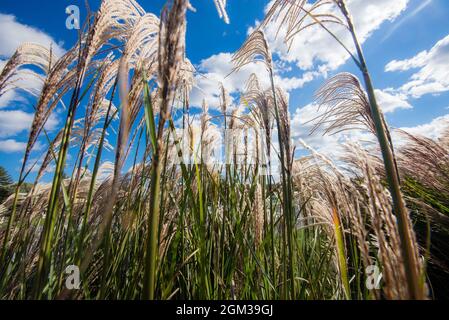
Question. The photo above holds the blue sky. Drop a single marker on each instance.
(406, 44)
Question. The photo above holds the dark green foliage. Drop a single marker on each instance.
(431, 218)
(6, 184)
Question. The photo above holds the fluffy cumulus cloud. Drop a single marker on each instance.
(331, 145)
(311, 48)
(432, 75)
(391, 101)
(28, 83)
(11, 146)
(16, 121)
(218, 69)
(433, 129)
(309, 52)
(14, 33)
(304, 118)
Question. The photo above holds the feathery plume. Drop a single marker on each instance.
(254, 49)
(345, 104)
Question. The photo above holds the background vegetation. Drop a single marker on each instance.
(151, 225)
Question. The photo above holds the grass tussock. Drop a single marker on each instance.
(153, 224)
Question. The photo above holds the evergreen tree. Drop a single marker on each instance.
(5, 184)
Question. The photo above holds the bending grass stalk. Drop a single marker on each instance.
(44, 258)
(153, 221)
(106, 224)
(170, 52)
(410, 260)
(45, 251)
(47, 236)
(287, 203)
(153, 224)
(339, 238)
(202, 230)
(94, 175)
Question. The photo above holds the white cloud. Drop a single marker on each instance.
(332, 145)
(28, 82)
(302, 123)
(433, 74)
(16, 121)
(217, 68)
(390, 101)
(9, 97)
(309, 51)
(14, 33)
(315, 49)
(403, 65)
(11, 146)
(432, 130)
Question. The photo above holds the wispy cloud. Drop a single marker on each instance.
(409, 16)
